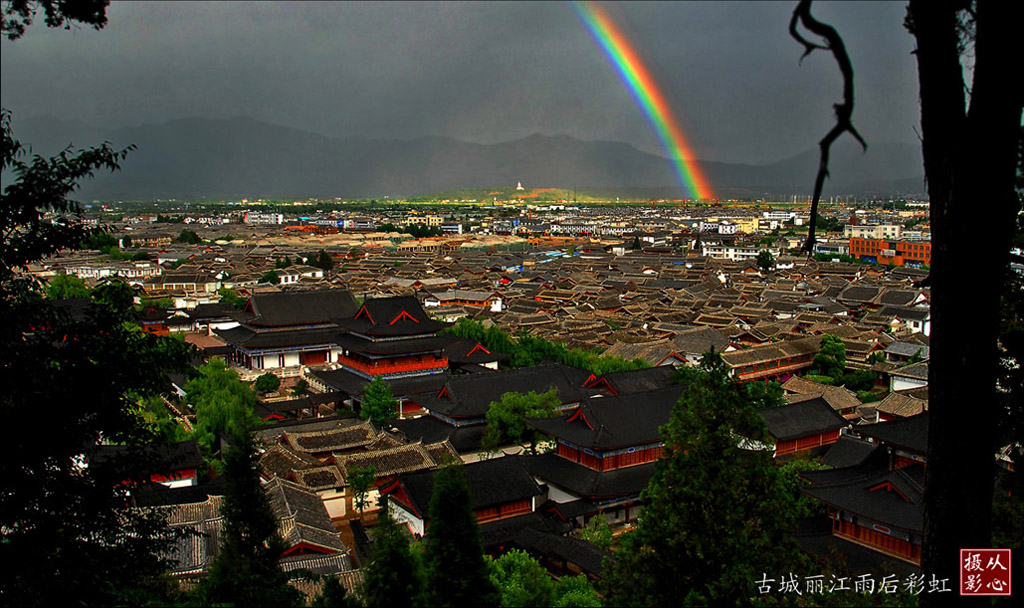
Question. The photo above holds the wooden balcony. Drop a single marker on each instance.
(384, 367)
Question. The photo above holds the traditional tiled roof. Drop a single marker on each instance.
(772, 352)
(892, 498)
(898, 405)
(638, 381)
(471, 395)
(909, 434)
(788, 422)
(302, 517)
(354, 435)
(279, 461)
(917, 371)
(586, 482)
(839, 397)
(300, 307)
(399, 459)
(491, 482)
(319, 478)
(612, 422)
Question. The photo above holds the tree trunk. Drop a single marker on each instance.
(969, 161)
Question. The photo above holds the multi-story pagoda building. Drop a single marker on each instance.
(392, 338)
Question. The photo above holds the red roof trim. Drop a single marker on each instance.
(476, 348)
(404, 314)
(395, 488)
(363, 309)
(578, 414)
(888, 487)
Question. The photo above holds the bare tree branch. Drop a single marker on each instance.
(844, 110)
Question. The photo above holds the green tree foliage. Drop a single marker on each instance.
(245, 571)
(528, 350)
(597, 532)
(100, 240)
(324, 260)
(115, 295)
(521, 581)
(827, 224)
(189, 237)
(456, 572)
(765, 260)
(43, 186)
(19, 14)
(270, 277)
(223, 404)
(378, 405)
(506, 418)
(300, 388)
(416, 231)
(803, 505)
(831, 358)
(716, 516)
(66, 287)
(231, 297)
(284, 262)
(157, 417)
(394, 577)
(69, 536)
(576, 591)
(334, 595)
(266, 383)
(362, 480)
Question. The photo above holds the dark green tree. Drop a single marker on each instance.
(506, 419)
(300, 388)
(765, 260)
(456, 571)
(246, 571)
(66, 287)
(223, 404)
(189, 237)
(378, 405)
(576, 592)
(324, 260)
(334, 595)
(267, 383)
(716, 516)
(19, 14)
(270, 277)
(100, 240)
(69, 536)
(231, 297)
(597, 532)
(831, 357)
(116, 295)
(521, 581)
(362, 480)
(394, 576)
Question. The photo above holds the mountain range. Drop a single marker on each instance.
(214, 159)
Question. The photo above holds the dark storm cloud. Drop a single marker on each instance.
(474, 71)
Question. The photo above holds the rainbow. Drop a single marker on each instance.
(647, 95)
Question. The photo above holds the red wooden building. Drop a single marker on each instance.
(392, 338)
(500, 489)
(606, 451)
(803, 427)
(878, 503)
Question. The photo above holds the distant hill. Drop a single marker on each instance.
(198, 158)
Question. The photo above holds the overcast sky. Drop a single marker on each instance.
(481, 72)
